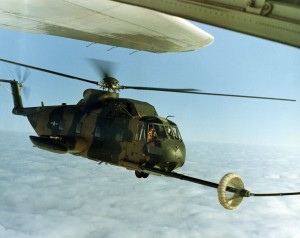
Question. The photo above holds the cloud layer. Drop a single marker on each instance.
(50, 195)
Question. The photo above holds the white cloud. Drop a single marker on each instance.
(50, 195)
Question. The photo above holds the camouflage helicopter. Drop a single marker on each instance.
(120, 131)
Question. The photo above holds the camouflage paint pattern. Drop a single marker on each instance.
(102, 127)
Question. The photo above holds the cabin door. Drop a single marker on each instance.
(136, 147)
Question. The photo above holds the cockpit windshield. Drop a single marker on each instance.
(152, 131)
(173, 132)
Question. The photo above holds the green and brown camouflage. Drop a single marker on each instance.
(105, 128)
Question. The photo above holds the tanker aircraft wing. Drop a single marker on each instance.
(276, 20)
(105, 22)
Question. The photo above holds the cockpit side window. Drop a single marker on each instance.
(155, 132)
(160, 130)
(140, 132)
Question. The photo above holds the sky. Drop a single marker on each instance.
(49, 195)
(234, 63)
(45, 195)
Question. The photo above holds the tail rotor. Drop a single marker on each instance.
(22, 77)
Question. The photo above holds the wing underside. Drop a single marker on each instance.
(276, 20)
(104, 22)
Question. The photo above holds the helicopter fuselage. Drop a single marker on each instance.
(105, 128)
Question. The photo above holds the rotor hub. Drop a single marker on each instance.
(111, 83)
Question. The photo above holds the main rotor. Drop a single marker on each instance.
(105, 68)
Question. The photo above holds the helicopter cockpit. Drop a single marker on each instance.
(157, 130)
(162, 132)
(162, 142)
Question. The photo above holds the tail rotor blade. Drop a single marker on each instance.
(18, 73)
(22, 77)
(26, 91)
(25, 75)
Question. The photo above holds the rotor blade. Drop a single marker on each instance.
(195, 91)
(26, 91)
(6, 81)
(25, 75)
(50, 71)
(22, 77)
(174, 90)
(243, 96)
(103, 68)
(18, 73)
(5, 88)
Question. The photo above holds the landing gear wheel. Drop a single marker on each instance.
(230, 200)
(140, 174)
(145, 175)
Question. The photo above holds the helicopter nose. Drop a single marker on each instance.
(175, 157)
(177, 152)
(167, 155)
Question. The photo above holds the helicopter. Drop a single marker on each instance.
(120, 131)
